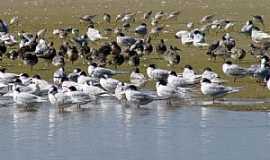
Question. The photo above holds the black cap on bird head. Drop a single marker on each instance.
(83, 73)
(94, 65)
(132, 87)
(152, 66)
(36, 76)
(162, 82)
(228, 62)
(188, 66)
(3, 70)
(136, 70)
(143, 24)
(77, 70)
(205, 80)
(24, 75)
(17, 89)
(173, 73)
(72, 88)
(53, 90)
(207, 69)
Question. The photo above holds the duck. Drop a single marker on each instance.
(73, 54)
(30, 59)
(161, 48)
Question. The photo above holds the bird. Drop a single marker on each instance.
(30, 59)
(147, 15)
(109, 84)
(156, 74)
(141, 29)
(247, 28)
(259, 36)
(123, 40)
(161, 48)
(258, 18)
(139, 98)
(107, 17)
(59, 75)
(235, 71)
(73, 54)
(137, 78)
(26, 99)
(98, 72)
(215, 90)
(208, 73)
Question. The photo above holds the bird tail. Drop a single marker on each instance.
(42, 99)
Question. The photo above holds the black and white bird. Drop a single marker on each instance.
(215, 90)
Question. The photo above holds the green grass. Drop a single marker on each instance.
(51, 14)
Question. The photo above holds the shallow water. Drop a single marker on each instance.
(109, 131)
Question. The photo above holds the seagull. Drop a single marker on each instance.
(259, 36)
(98, 72)
(138, 98)
(215, 90)
(26, 99)
(93, 34)
(141, 29)
(199, 39)
(176, 81)
(212, 76)
(109, 84)
(156, 74)
(190, 76)
(235, 71)
(7, 77)
(59, 75)
(123, 40)
(258, 18)
(137, 78)
(247, 28)
(185, 36)
(59, 99)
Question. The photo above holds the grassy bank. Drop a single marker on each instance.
(51, 14)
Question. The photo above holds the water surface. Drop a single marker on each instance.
(109, 131)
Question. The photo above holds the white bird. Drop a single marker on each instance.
(157, 74)
(185, 36)
(84, 79)
(109, 84)
(176, 81)
(190, 76)
(94, 35)
(123, 40)
(212, 76)
(138, 98)
(98, 72)
(78, 97)
(7, 77)
(59, 99)
(247, 28)
(215, 90)
(137, 78)
(235, 71)
(259, 36)
(199, 39)
(26, 99)
(59, 75)
(41, 46)
(141, 29)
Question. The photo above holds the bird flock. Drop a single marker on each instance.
(129, 43)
